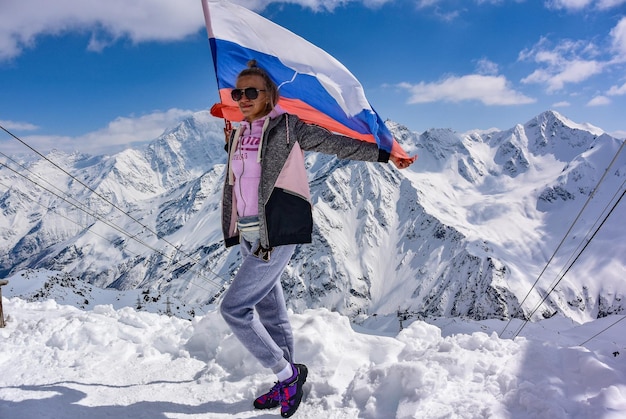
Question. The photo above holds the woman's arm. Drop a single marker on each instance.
(315, 138)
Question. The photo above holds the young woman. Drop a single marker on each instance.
(266, 209)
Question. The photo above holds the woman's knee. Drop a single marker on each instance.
(234, 313)
(226, 310)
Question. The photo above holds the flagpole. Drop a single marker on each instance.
(207, 20)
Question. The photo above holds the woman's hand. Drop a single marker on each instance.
(402, 163)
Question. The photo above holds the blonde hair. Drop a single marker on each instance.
(270, 87)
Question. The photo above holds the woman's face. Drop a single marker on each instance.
(253, 109)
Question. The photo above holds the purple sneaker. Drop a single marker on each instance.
(270, 399)
(290, 392)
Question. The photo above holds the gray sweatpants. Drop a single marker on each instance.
(254, 307)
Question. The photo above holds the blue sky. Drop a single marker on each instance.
(89, 75)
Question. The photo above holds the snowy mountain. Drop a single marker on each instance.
(466, 231)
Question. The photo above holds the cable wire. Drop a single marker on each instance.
(572, 264)
(589, 198)
(77, 204)
(99, 195)
(602, 331)
(598, 220)
(119, 229)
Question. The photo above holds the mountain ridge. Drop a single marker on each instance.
(464, 232)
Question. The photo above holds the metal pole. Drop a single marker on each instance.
(3, 282)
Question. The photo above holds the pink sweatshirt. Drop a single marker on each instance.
(246, 166)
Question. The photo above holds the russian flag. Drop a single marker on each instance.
(312, 84)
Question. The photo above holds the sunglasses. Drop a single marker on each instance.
(250, 92)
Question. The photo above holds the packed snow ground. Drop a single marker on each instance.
(58, 361)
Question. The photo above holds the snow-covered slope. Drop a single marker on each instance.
(466, 231)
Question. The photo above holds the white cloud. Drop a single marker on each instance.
(599, 101)
(617, 90)
(18, 126)
(421, 4)
(555, 77)
(568, 62)
(42, 143)
(577, 5)
(490, 90)
(487, 67)
(568, 4)
(21, 22)
(562, 104)
(618, 35)
(118, 134)
(127, 130)
(609, 4)
(573, 62)
(439, 8)
(618, 134)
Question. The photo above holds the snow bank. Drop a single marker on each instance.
(60, 362)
